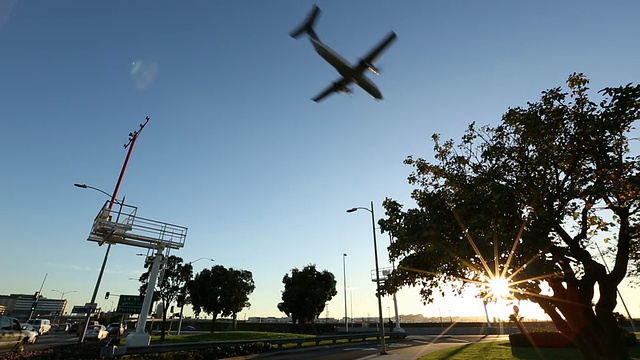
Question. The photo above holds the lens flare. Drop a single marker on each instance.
(143, 73)
(499, 288)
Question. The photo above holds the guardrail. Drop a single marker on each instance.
(111, 351)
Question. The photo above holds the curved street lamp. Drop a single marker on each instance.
(104, 261)
(184, 291)
(62, 296)
(383, 350)
(85, 186)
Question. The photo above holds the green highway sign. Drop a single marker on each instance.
(130, 304)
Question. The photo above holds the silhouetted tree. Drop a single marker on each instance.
(236, 296)
(221, 292)
(306, 292)
(526, 200)
(174, 276)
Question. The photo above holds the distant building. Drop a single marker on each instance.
(19, 306)
(268, 319)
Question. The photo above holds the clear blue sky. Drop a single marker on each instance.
(235, 149)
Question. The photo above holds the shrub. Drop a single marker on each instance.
(548, 339)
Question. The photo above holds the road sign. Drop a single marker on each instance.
(79, 310)
(130, 304)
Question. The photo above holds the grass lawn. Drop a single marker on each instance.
(501, 350)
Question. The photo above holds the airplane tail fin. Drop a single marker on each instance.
(307, 25)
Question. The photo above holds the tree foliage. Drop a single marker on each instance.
(306, 292)
(221, 292)
(529, 200)
(172, 278)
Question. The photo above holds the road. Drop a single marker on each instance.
(52, 339)
(411, 348)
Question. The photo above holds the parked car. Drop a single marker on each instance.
(73, 328)
(62, 327)
(41, 325)
(116, 329)
(12, 337)
(32, 332)
(188, 328)
(96, 332)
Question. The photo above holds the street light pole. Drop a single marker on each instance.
(383, 350)
(104, 262)
(62, 297)
(184, 291)
(344, 276)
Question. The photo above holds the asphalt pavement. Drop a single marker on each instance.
(416, 346)
(411, 348)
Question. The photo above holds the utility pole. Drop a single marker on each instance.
(37, 297)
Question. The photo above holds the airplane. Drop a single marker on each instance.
(350, 74)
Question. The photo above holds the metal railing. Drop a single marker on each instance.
(124, 226)
(111, 351)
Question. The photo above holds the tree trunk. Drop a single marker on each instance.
(213, 323)
(596, 337)
(164, 321)
(235, 322)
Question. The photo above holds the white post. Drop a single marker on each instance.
(344, 275)
(140, 338)
(395, 306)
(395, 300)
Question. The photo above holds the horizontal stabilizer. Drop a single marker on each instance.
(307, 25)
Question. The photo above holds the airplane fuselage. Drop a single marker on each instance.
(345, 69)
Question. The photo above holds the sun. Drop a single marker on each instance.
(499, 288)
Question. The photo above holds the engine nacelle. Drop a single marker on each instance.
(370, 67)
(343, 88)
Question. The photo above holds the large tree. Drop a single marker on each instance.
(172, 278)
(221, 292)
(240, 285)
(306, 292)
(527, 201)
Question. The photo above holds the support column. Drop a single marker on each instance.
(140, 337)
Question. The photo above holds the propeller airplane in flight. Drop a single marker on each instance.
(350, 73)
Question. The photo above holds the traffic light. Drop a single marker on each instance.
(106, 296)
(33, 306)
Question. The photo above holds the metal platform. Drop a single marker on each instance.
(120, 224)
(384, 274)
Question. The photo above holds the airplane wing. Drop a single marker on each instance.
(340, 85)
(367, 61)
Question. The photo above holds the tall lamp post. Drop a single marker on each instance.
(62, 297)
(104, 261)
(344, 276)
(184, 292)
(383, 350)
